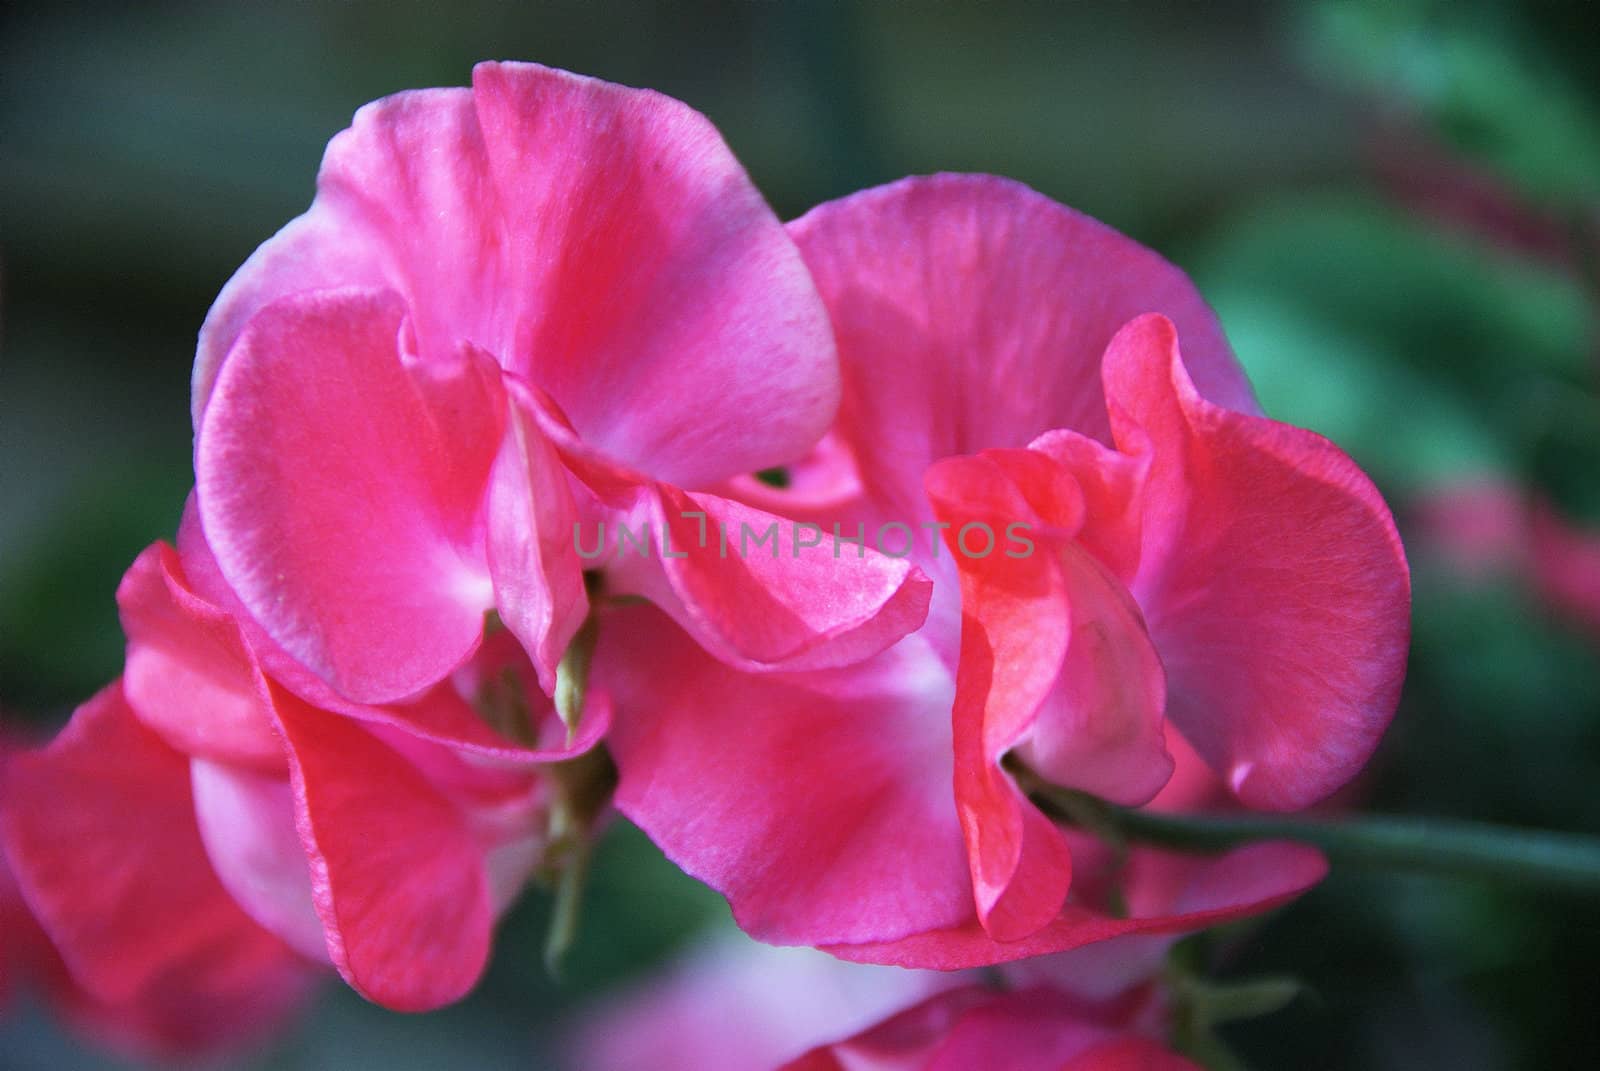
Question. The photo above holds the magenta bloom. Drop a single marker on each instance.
(492, 287)
(1190, 567)
(381, 840)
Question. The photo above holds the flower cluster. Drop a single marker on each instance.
(384, 677)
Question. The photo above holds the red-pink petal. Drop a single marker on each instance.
(100, 832)
(339, 487)
(971, 312)
(190, 675)
(655, 295)
(818, 803)
(1272, 579)
(397, 878)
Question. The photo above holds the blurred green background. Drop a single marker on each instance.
(1393, 207)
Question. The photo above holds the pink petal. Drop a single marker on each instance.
(190, 675)
(971, 312)
(1245, 881)
(411, 175)
(324, 249)
(339, 489)
(759, 592)
(1272, 579)
(656, 297)
(440, 715)
(246, 821)
(538, 576)
(100, 831)
(818, 804)
(404, 202)
(397, 878)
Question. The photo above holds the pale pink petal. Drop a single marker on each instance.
(735, 1005)
(1272, 579)
(246, 821)
(656, 297)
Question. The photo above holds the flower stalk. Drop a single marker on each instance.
(1563, 862)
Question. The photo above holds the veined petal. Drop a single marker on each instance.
(656, 297)
(1272, 579)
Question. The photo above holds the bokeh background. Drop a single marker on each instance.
(1392, 206)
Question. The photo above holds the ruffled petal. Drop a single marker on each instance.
(339, 488)
(190, 675)
(971, 312)
(655, 295)
(447, 714)
(324, 249)
(404, 202)
(100, 831)
(762, 592)
(397, 878)
(1272, 579)
(818, 804)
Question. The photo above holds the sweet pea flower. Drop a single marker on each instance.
(540, 303)
(1183, 566)
(381, 840)
(113, 916)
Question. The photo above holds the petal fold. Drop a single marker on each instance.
(397, 878)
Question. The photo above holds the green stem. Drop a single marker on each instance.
(1568, 862)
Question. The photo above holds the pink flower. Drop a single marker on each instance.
(382, 840)
(1038, 1029)
(1190, 567)
(540, 303)
(113, 915)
